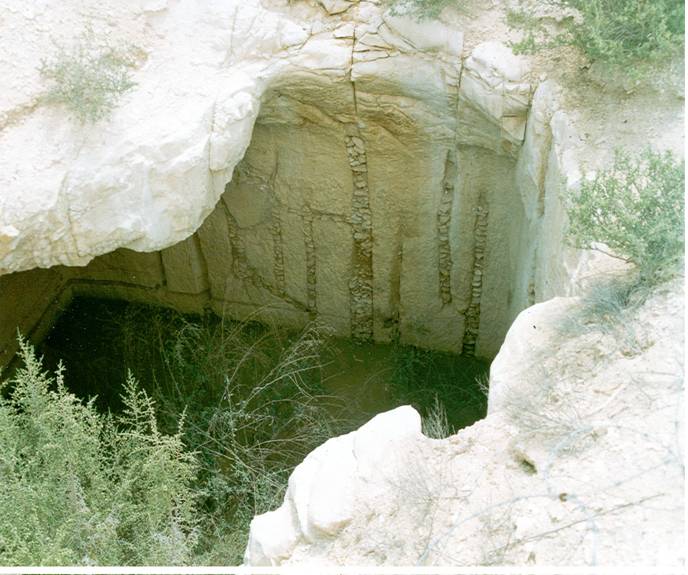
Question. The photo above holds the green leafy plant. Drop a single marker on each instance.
(616, 31)
(252, 397)
(624, 34)
(419, 9)
(87, 78)
(636, 210)
(83, 488)
(532, 30)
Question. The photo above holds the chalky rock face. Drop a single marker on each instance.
(578, 462)
(290, 162)
(323, 490)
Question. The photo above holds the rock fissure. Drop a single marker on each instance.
(472, 315)
(311, 260)
(278, 253)
(444, 215)
(361, 283)
(161, 264)
(276, 232)
(243, 270)
(240, 266)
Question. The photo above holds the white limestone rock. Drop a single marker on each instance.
(537, 143)
(273, 536)
(336, 6)
(147, 176)
(495, 96)
(423, 35)
(321, 499)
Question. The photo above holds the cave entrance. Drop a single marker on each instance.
(383, 214)
(379, 214)
(396, 239)
(385, 217)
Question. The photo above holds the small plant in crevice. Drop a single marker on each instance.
(634, 211)
(606, 308)
(482, 381)
(536, 36)
(83, 488)
(419, 9)
(88, 78)
(608, 299)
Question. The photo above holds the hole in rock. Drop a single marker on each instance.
(201, 362)
(370, 250)
(386, 222)
(409, 229)
(255, 399)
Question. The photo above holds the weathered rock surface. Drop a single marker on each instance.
(334, 161)
(323, 490)
(579, 461)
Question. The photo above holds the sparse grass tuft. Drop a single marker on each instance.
(435, 424)
(608, 299)
(606, 308)
(88, 78)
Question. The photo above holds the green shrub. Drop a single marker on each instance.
(419, 9)
(620, 33)
(635, 209)
(87, 79)
(82, 488)
(253, 398)
(534, 35)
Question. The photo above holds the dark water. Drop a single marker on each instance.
(99, 341)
